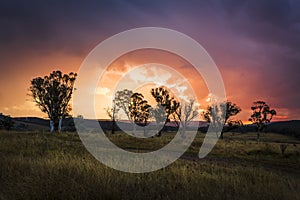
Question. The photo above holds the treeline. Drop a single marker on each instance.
(52, 94)
(139, 112)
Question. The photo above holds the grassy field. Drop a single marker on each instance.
(36, 165)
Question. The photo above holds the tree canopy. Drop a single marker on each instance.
(214, 114)
(163, 97)
(122, 101)
(139, 109)
(166, 105)
(261, 115)
(52, 94)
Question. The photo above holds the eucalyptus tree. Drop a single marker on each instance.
(261, 115)
(52, 95)
(139, 110)
(214, 113)
(122, 101)
(166, 105)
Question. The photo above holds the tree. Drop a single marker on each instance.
(234, 124)
(160, 116)
(213, 113)
(185, 114)
(261, 115)
(52, 94)
(6, 122)
(166, 101)
(139, 110)
(112, 113)
(122, 101)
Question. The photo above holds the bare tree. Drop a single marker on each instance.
(112, 113)
(185, 114)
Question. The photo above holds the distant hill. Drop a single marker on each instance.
(291, 128)
(31, 124)
(33, 120)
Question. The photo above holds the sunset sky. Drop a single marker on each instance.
(255, 44)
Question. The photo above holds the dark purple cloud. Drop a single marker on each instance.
(257, 40)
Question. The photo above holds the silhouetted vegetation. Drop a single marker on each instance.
(112, 113)
(6, 122)
(52, 95)
(139, 110)
(262, 114)
(167, 106)
(216, 113)
(122, 101)
(187, 112)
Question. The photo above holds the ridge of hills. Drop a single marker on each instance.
(291, 128)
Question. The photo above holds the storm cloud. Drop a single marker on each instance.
(256, 44)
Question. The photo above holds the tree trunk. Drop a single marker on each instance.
(51, 126)
(60, 124)
(145, 128)
(221, 136)
(145, 132)
(182, 132)
(113, 126)
(259, 130)
(159, 133)
(56, 122)
(159, 130)
(134, 128)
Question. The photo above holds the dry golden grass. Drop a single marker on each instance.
(57, 166)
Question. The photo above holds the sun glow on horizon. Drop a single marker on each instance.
(142, 78)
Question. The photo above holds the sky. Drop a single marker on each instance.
(255, 44)
(145, 69)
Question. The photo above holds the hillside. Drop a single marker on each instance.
(290, 128)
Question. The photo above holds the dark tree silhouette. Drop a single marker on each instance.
(166, 101)
(112, 113)
(234, 124)
(185, 114)
(261, 115)
(160, 116)
(52, 94)
(139, 110)
(122, 101)
(6, 122)
(213, 113)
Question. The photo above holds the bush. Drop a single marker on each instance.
(5, 122)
